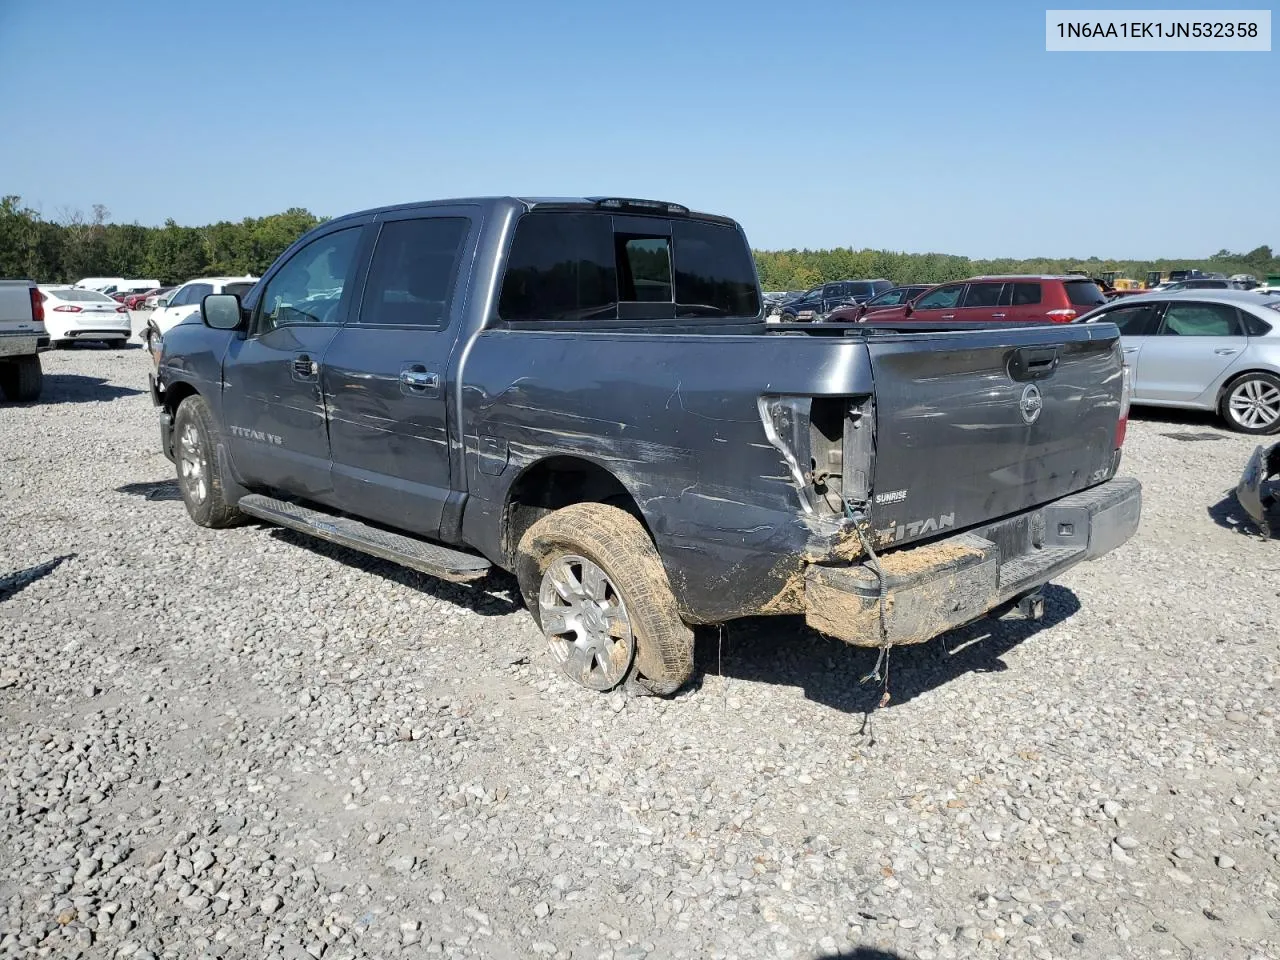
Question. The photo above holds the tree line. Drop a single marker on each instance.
(72, 245)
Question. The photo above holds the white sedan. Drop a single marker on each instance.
(73, 313)
(184, 302)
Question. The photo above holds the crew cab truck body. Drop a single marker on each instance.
(22, 334)
(585, 393)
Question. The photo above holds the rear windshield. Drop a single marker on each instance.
(1084, 293)
(597, 266)
(72, 294)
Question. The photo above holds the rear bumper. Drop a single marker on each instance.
(945, 584)
(1259, 503)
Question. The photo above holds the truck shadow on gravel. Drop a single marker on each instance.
(14, 583)
(862, 953)
(783, 650)
(77, 388)
(494, 596)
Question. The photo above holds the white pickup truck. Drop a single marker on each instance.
(22, 333)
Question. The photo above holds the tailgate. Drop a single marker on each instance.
(975, 425)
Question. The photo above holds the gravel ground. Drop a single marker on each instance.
(244, 744)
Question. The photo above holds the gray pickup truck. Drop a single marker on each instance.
(584, 392)
(22, 334)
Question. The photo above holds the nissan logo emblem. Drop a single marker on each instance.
(1031, 403)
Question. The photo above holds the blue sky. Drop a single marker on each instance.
(910, 126)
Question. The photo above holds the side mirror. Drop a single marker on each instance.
(221, 311)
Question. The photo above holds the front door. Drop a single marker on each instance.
(387, 379)
(941, 303)
(272, 400)
(1197, 341)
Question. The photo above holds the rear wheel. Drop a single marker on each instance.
(595, 583)
(199, 475)
(21, 379)
(1252, 404)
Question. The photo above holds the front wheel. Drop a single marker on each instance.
(595, 583)
(199, 475)
(1252, 404)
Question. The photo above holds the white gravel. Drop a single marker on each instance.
(242, 744)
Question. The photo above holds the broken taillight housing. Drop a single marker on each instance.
(1126, 398)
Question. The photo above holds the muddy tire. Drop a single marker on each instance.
(1251, 403)
(195, 445)
(21, 379)
(595, 585)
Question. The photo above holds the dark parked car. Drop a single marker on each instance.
(821, 300)
(1052, 299)
(895, 297)
(584, 393)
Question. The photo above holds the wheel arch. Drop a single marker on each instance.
(1232, 379)
(558, 481)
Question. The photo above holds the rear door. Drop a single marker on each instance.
(1196, 343)
(1138, 323)
(975, 425)
(980, 303)
(272, 401)
(386, 372)
(1022, 300)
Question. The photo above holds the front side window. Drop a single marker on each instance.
(196, 292)
(308, 288)
(941, 298)
(574, 266)
(1189, 319)
(414, 268)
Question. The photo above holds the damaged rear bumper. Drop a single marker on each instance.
(945, 584)
(1259, 502)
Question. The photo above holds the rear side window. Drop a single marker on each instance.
(412, 275)
(982, 295)
(1084, 293)
(1026, 294)
(574, 266)
(1136, 321)
(239, 289)
(1186, 319)
(1255, 326)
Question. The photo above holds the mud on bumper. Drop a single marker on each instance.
(945, 584)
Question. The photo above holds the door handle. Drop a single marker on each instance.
(1227, 351)
(997, 316)
(948, 316)
(304, 368)
(1132, 349)
(416, 379)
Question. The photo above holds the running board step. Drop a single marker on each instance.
(429, 558)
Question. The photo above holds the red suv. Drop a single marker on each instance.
(992, 299)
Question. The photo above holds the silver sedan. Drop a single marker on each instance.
(1203, 350)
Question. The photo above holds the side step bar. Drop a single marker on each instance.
(429, 558)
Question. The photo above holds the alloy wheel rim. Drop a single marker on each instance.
(586, 622)
(195, 478)
(1255, 404)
